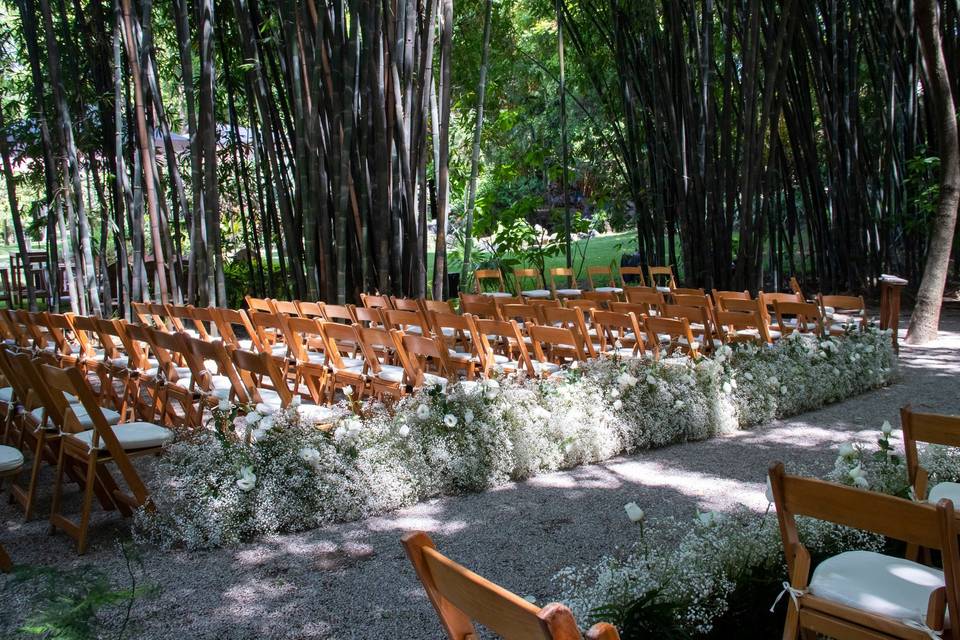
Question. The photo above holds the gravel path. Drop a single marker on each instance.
(353, 580)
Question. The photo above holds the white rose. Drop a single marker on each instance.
(252, 418)
(258, 434)
(450, 420)
(748, 375)
(847, 450)
(309, 455)
(423, 412)
(887, 429)
(614, 393)
(861, 482)
(856, 472)
(651, 380)
(634, 512)
(727, 388)
(618, 404)
(265, 409)
(468, 416)
(339, 433)
(403, 431)
(773, 382)
(347, 391)
(247, 479)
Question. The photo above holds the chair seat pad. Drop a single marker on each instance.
(124, 361)
(278, 350)
(875, 583)
(663, 289)
(948, 490)
(774, 335)
(609, 289)
(132, 435)
(569, 292)
(498, 294)
(220, 387)
(6, 394)
(536, 293)
(10, 459)
(352, 365)
(545, 367)
(183, 375)
(111, 416)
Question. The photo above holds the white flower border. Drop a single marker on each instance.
(277, 474)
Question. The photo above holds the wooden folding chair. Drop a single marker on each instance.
(652, 301)
(601, 280)
(89, 451)
(270, 330)
(408, 321)
(222, 384)
(195, 322)
(553, 347)
(508, 350)
(574, 320)
(285, 308)
(564, 291)
(861, 595)
(482, 276)
(236, 330)
(461, 597)
(720, 297)
(537, 291)
(338, 313)
(840, 312)
(671, 333)
(701, 324)
(176, 401)
(368, 316)
(802, 317)
(795, 287)
(624, 328)
(662, 273)
(934, 429)
(757, 309)
(424, 359)
(462, 339)
(405, 304)
(524, 314)
(631, 277)
(307, 347)
(342, 344)
(258, 304)
(478, 306)
(263, 380)
(310, 309)
(380, 352)
(439, 306)
(371, 301)
(11, 463)
(601, 299)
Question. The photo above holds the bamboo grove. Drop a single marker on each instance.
(777, 133)
(316, 142)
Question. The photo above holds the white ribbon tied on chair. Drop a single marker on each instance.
(794, 594)
(922, 626)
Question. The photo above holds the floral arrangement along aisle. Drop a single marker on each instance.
(271, 472)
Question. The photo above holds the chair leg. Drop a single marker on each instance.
(87, 505)
(57, 490)
(5, 563)
(31, 493)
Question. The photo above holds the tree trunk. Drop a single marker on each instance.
(14, 207)
(925, 320)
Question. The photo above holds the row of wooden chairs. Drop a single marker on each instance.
(529, 282)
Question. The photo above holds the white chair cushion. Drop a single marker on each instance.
(183, 375)
(353, 365)
(246, 344)
(663, 289)
(498, 294)
(879, 584)
(111, 416)
(949, 490)
(548, 367)
(608, 289)
(390, 373)
(536, 293)
(10, 459)
(569, 292)
(279, 350)
(6, 394)
(132, 435)
(220, 387)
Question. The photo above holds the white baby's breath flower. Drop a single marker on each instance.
(468, 416)
(252, 418)
(450, 420)
(634, 512)
(709, 518)
(618, 404)
(614, 393)
(225, 406)
(296, 401)
(309, 455)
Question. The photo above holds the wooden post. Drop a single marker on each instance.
(890, 288)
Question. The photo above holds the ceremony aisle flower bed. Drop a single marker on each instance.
(271, 473)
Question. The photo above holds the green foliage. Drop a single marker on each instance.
(648, 616)
(67, 603)
(923, 190)
(241, 282)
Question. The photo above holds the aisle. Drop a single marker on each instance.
(353, 580)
